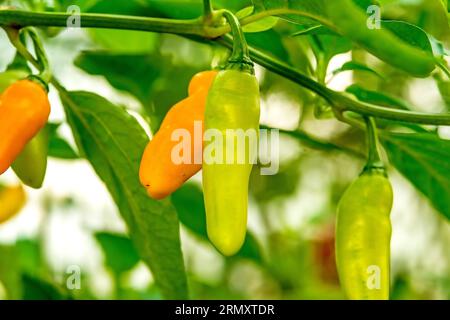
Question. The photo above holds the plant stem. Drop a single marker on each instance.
(207, 10)
(13, 35)
(240, 58)
(45, 74)
(374, 161)
(19, 19)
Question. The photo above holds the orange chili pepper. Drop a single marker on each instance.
(158, 172)
(24, 111)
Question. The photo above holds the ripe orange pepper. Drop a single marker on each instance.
(24, 111)
(158, 173)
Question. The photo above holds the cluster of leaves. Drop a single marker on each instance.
(151, 68)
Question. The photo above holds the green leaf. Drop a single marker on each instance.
(259, 5)
(131, 73)
(410, 34)
(188, 200)
(38, 289)
(268, 41)
(113, 142)
(377, 98)
(356, 66)
(439, 48)
(326, 46)
(10, 272)
(363, 4)
(259, 25)
(125, 41)
(245, 12)
(119, 251)
(155, 80)
(30, 257)
(424, 160)
(303, 12)
(317, 29)
(268, 188)
(58, 147)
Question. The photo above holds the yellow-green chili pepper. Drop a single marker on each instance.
(363, 229)
(31, 165)
(232, 103)
(351, 21)
(363, 234)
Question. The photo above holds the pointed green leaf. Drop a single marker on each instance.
(424, 160)
(113, 142)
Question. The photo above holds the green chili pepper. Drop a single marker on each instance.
(363, 230)
(232, 103)
(8, 77)
(363, 237)
(31, 165)
(351, 22)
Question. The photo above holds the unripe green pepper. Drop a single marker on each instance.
(31, 165)
(232, 111)
(363, 234)
(8, 77)
(350, 21)
(233, 103)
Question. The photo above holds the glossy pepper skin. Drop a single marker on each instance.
(31, 164)
(12, 199)
(24, 111)
(233, 103)
(158, 172)
(363, 234)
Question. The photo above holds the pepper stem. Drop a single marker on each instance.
(45, 74)
(40, 62)
(240, 57)
(374, 162)
(207, 10)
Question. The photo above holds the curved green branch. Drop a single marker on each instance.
(19, 19)
(197, 28)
